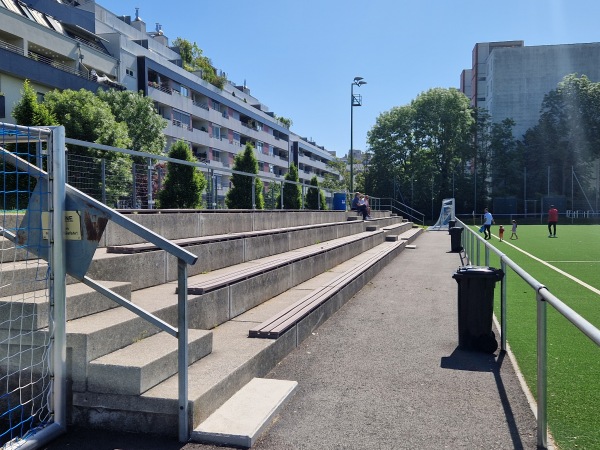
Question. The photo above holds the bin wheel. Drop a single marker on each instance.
(486, 343)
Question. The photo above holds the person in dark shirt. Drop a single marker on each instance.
(358, 204)
(552, 221)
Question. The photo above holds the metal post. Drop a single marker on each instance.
(134, 193)
(487, 256)
(57, 185)
(253, 192)
(358, 81)
(282, 186)
(542, 373)
(150, 186)
(103, 169)
(503, 288)
(182, 349)
(318, 199)
(351, 137)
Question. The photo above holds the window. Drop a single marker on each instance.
(181, 119)
(259, 147)
(129, 72)
(216, 106)
(184, 91)
(216, 132)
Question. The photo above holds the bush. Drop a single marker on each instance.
(184, 184)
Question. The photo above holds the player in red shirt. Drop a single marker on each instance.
(552, 221)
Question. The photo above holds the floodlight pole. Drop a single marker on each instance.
(354, 101)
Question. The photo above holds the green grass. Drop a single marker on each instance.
(573, 359)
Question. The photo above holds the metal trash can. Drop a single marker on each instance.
(476, 307)
(455, 239)
(451, 224)
(339, 201)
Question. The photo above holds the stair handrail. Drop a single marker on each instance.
(404, 209)
(184, 257)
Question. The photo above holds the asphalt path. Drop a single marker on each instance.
(384, 372)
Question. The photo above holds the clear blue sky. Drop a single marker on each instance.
(299, 57)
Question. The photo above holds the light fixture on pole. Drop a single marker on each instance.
(355, 100)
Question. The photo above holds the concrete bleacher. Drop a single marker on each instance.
(252, 266)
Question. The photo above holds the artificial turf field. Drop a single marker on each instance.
(573, 359)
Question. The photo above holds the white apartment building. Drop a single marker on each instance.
(60, 44)
(510, 80)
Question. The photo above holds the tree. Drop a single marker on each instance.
(240, 195)
(193, 60)
(88, 118)
(566, 137)
(272, 194)
(144, 125)
(184, 184)
(315, 197)
(292, 193)
(506, 161)
(28, 111)
(339, 180)
(420, 145)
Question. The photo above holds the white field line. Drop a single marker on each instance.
(562, 272)
(593, 262)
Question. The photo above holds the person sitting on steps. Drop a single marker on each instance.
(358, 205)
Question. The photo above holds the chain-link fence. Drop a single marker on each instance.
(119, 182)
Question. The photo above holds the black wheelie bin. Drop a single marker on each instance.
(476, 307)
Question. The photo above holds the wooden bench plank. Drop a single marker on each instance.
(184, 242)
(272, 263)
(288, 317)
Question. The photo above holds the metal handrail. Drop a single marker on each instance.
(208, 167)
(543, 297)
(183, 256)
(413, 214)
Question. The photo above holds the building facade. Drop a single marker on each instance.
(80, 44)
(510, 80)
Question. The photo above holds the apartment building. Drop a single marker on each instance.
(80, 44)
(51, 53)
(510, 80)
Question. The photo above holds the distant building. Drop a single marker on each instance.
(510, 80)
(80, 44)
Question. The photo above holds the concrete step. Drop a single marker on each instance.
(138, 367)
(242, 418)
(33, 307)
(97, 335)
(234, 361)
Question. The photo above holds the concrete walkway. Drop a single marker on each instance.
(385, 373)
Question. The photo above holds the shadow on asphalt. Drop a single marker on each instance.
(482, 362)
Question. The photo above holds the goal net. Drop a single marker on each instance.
(446, 215)
(26, 328)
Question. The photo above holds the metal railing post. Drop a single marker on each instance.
(103, 169)
(282, 186)
(57, 185)
(503, 288)
(182, 349)
(487, 256)
(542, 372)
(150, 183)
(253, 192)
(134, 193)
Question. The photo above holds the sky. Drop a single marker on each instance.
(299, 58)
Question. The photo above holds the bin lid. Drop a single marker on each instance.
(478, 272)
